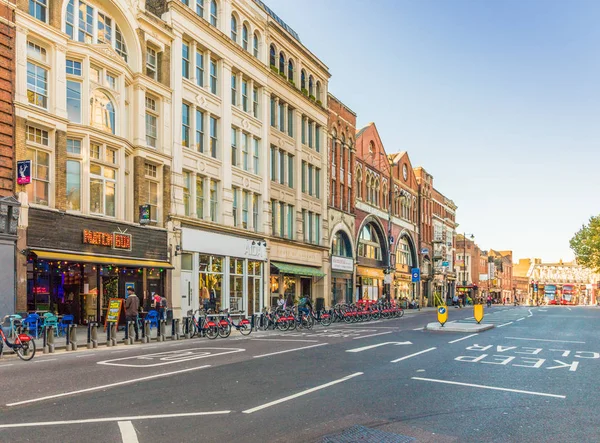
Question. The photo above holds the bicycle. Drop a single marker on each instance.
(23, 345)
(226, 324)
(203, 327)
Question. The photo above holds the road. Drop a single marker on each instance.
(532, 378)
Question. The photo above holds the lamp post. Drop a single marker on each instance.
(464, 281)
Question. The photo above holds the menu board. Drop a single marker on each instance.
(114, 310)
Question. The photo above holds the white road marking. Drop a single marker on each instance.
(44, 360)
(368, 328)
(108, 419)
(300, 394)
(10, 364)
(372, 335)
(544, 339)
(289, 350)
(87, 355)
(569, 309)
(463, 338)
(530, 313)
(170, 357)
(505, 324)
(495, 388)
(283, 339)
(365, 348)
(128, 433)
(111, 385)
(412, 355)
(418, 329)
(522, 318)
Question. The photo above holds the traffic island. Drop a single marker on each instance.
(458, 327)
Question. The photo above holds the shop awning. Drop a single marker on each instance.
(306, 271)
(101, 260)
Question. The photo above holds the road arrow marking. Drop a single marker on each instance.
(365, 348)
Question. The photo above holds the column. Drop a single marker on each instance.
(177, 159)
(264, 210)
(251, 94)
(193, 60)
(285, 120)
(226, 197)
(207, 69)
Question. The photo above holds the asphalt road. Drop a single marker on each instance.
(532, 378)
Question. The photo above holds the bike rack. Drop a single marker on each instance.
(129, 333)
(111, 334)
(92, 335)
(175, 329)
(71, 338)
(48, 334)
(146, 332)
(162, 326)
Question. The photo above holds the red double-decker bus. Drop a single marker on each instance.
(568, 292)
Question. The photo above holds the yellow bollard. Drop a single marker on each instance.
(442, 314)
(478, 312)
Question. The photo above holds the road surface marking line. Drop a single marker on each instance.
(109, 419)
(494, 388)
(111, 385)
(462, 338)
(3, 366)
(522, 318)
(365, 348)
(87, 355)
(128, 433)
(569, 309)
(44, 360)
(283, 339)
(373, 335)
(412, 355)
(163, 355)
(418, 329)
(289, 350)
(373, 328)
(544, 339)
(505, 324)
(300, 394)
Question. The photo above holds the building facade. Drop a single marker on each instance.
(9, 207)
(386, 220)
(341, 199)
(249, 209)
(444, 226)
(92, 108)
(562, 283)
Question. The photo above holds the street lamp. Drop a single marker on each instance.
(465, 259)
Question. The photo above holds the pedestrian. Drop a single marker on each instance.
(204, 297)
(132, 306)
(161, 306)
(503, 300)
(455, 301)
(156, 301)
(281, 302)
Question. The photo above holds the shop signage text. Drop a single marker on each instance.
(342, 264)
(116, 240)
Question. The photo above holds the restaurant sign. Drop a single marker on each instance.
(116, 240)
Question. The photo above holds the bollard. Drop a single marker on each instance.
(50, 341)
(185, 327)
(146, 332)
(162, 329)
(252, 323)
(45, 339)
(92, 335)
(113, 334)
(108, 334)
(68, 339)
(72, 338)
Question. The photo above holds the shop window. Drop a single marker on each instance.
(254, 286)
(236, 284)
(211, 279)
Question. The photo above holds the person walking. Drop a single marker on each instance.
(132, 306)
(281, 302)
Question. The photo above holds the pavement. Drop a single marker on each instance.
(529, 380)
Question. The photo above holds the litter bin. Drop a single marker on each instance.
(169, 315)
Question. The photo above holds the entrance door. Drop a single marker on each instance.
(110, 289)
(305, 287)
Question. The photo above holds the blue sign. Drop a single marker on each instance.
(425, 251)
(416, 275)
(445, 263)
(442, 310)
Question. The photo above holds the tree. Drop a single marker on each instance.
(586, 244)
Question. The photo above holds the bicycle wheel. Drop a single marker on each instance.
(263, 323)
(325, 318)
(245, 329)
(400, 312)
(26, 350)
(310, 322)
(212, 332)
(224, 331)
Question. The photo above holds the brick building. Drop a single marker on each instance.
(9, 207)
(444, 226)
(341, 147)
(386, 219)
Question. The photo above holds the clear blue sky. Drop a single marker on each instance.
(498, 99)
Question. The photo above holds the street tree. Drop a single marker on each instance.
(586, 244)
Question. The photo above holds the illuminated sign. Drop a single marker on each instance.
(116, 240)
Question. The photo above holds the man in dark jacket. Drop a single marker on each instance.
(132, 306)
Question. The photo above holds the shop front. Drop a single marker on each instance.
(296, 272)
(76, 264)
(369, 283)
(342, 271)
(221, 271)
(403, 287)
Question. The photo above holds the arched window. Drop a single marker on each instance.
(385, 196)
(311, 86)
(369, 244)
(102, 112)
(272, 56)
(290, 70)
(318, 92)
(233, 28)
(371, 148)
(341, 245)
(303, 79)
(377, 189)
(245, 37)
(255, 41)
(213, 13)
(358, 183)
(281, 63)
(403, 255)
(87, 24)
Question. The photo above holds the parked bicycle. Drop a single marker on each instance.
(203, 326)
(226, 324)
(23, 345)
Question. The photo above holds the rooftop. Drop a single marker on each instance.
(275, 17)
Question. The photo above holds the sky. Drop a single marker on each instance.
(498, 99)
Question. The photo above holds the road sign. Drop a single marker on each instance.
(425, 251)
(24, 172)
(416, 275)
(478, 312)
(445, 264)
(442, 313)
